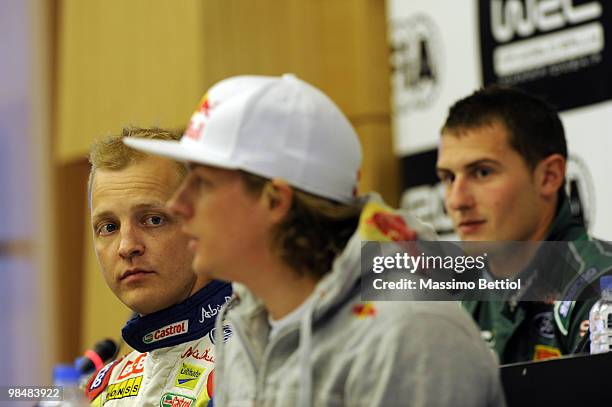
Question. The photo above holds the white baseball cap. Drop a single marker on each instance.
(274, 127)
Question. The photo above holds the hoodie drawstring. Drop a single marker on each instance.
(220, 354)
(305, 352)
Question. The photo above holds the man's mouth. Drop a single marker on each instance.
(470, 226)
(134, 273)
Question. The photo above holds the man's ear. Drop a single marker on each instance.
(278, 195)
(550, 175)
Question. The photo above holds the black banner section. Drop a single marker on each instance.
(483, 271)
(419, 169)
(423, 193)
(556, 49)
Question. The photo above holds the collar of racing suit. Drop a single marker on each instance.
(183, 322)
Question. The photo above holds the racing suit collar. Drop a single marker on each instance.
(183, 322)
(566, 226)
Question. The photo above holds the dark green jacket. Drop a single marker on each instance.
(524, 330)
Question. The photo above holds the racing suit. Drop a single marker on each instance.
(173, 360)
(342, 351)
(522, 331)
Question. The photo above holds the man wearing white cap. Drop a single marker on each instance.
(270, 204)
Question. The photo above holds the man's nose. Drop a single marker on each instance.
(131, 244)
(459, 195)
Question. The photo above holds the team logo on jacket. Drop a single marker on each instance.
(123, 389)
(380, 223)
(209, 312)
(195, 353)
(99, 382)
(227, 332)
(188, 376)
(546, 352)
(365, 310)
(543, 323)
(175, 400)
(133, 367)
(167, 331)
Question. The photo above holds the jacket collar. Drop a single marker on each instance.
(183, 322)
(566, 226)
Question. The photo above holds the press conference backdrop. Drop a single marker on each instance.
(559, 49)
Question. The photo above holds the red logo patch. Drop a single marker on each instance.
(209, 383)
(366, 310)
(205, 107)
(199, 119)
(545, 352)
(392, 226)
(99, 381)
(195, 353)
(133, 367)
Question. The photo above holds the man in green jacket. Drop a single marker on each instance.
(502, 158)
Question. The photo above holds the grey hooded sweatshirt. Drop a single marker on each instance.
(346, 352)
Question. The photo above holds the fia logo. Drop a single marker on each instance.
(416, 62)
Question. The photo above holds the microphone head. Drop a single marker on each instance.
(106, 350)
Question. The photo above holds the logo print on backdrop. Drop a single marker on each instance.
(424, 193)
(416, 61)
(552, 48)
(427, 203)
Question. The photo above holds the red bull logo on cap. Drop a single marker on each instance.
(199, 118)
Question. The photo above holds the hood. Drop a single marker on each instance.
(377, 222)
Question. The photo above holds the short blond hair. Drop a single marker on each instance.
(110, 153)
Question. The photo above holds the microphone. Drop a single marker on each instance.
(94, 359)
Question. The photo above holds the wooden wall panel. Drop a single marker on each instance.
(68, 254)
(382, 168)
(122, 62)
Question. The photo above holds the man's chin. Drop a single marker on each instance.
(141, 302)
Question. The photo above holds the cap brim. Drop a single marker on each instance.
(179, 151)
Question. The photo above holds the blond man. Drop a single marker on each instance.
(145, 260)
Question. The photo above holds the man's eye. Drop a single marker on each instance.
(482, 172)
(199, 183)
(154, 220)
(446, 178)
(107, 229)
